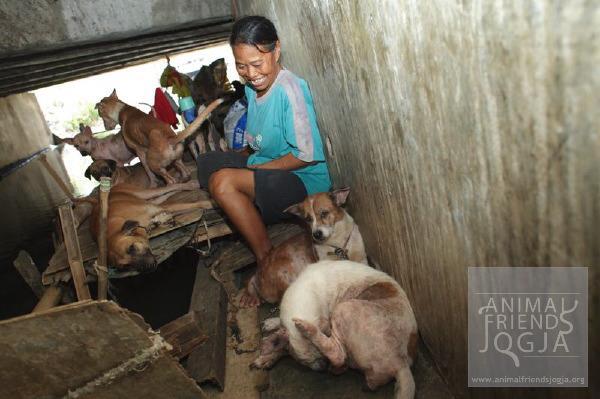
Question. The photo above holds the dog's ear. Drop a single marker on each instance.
(295, 209)
(129, 226)
(69, 140)
(87, 130)
(340, 196)
(219, 70)
(113, 94)
(88, 172)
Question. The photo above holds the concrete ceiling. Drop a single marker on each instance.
(50, 42)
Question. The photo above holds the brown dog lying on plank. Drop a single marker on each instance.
(153, 141)
(132, 212)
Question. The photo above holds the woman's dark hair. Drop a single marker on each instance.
(256, 31)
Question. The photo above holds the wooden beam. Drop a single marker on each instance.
(184, 334)
(209, 300)
(73, 251)
(61, 183)
(102, 261)
(30, 273)
(50, 299)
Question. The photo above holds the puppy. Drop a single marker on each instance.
(132, 212)
(348, 315)
(334, 236)
(134, 175)
(209, 84)
(152, 140)
(112, 147)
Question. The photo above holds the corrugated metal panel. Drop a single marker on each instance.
(23, 71)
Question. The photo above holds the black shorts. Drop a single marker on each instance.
(275, 190)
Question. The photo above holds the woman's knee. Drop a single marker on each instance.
(222, 182)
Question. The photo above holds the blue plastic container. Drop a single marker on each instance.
(239, 141)
(188, 109)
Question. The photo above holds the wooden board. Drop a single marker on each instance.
(78, 347)
(209, 300)
(73, 252)
(184, 334)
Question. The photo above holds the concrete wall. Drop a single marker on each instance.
(31, 24)
(28, 195)
(469, 131)
(23, 129)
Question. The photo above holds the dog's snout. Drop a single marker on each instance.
(317, 235)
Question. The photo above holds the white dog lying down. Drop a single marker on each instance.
(351, 315)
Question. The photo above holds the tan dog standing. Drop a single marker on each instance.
(132, 212)
(334, 234)
(153, 141)
(112, 147)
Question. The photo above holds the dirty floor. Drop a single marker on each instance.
(290, 380)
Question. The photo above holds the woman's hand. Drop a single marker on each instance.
(286, 162)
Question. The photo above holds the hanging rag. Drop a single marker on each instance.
(163, 108)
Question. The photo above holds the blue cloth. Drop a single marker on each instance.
(283, 120)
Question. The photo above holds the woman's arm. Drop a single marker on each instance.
(286, 162)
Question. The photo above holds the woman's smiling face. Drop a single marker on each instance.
(257, 68)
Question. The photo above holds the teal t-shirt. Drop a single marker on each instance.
(283, 120)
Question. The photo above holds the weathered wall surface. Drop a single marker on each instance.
(34, 24)
(469, 131)
(23, 129)
(28, 195)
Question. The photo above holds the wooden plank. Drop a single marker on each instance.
(73, 251)
(102, 262)
(30, 273)
(184, 334)
(105, 352)
(61, 183)
(52, 296)
(207, 363)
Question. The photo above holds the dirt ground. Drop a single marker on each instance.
(290, 380)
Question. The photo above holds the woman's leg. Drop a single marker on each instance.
(233, 189)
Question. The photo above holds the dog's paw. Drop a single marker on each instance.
(307, 329)
(160, 219)
(271, 324)
(261, 362)
(248, 301)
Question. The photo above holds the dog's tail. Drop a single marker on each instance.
(192, 127)
(405, 384)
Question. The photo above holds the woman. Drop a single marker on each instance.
(287, 160)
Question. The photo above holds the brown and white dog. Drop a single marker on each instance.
(334, 235)
(152, 140)
(132, 212)
(348, 315)
(112, 147)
